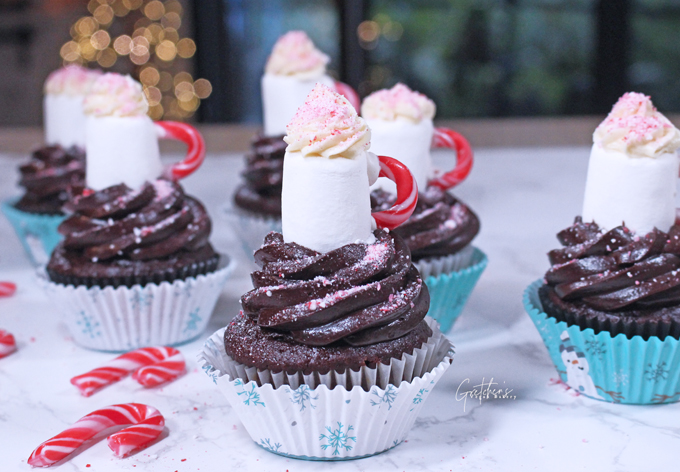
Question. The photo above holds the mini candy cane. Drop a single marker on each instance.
(148, 423)
(349, 93)
(7, 343)
(447, 138)
(7, 289)
(194, 141)
(157, 365)
(407, 193)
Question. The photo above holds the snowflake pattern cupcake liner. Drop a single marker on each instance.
(38, 233)
(251, 228)
(334, 416)
(614, 369)
(126, 318)
(450, 281)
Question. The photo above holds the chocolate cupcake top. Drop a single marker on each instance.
(358, 294)
(616, 270)
(152, 222)
(263, 174)
(47, 178)
(441, 225)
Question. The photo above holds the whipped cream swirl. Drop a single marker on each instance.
(294, 54)
(72, 80)
(399, 102)
(116, 95)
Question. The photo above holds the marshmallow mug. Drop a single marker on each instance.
(125, 150)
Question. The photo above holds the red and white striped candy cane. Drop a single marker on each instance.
(447, 138)
(349, 93)
(148, 423)
(7, 343)
(194, 141)
(407, 193)
(163, 363)
(7, 289)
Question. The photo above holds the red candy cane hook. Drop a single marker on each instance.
(407, 193)
(147, 423)
(7, 343)
(349, 93)
(7, 289)
(447, 138)
(194, 141)
(150, 366)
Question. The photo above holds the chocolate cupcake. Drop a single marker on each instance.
(441, 229)
(55, 167)
(135, 267)
(609, 306)
(336, 322)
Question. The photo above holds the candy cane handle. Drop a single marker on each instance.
(349, 93)
(7, 343)
(447, 138)
(407, 193)
(147, 425)
(195, 144)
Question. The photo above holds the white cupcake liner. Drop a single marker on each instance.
(126, 318)
(436, 266)
(335, 416)
(251, 228)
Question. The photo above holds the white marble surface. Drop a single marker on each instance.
(524, 196)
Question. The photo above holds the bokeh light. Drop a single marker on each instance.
(186, 48)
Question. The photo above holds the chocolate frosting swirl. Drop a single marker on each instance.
(47, 178)
(152, 222)
(440, 225)
(263, 174)
(359, 294)
(615, 270)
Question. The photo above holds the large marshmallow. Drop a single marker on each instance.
(121, 150)
(325, 203)
(406, 141)
(282, 95)
(639, 191)
(64, 119)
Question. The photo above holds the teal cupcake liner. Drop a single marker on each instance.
(450, 290)
(613, 369)
(37, 233)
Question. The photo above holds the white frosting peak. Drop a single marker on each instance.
(294, 54)
(635, 127)
(72, 80)
(327, 125)
(116, 95)
(398, 102)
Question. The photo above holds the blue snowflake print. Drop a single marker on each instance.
(88, 325)
(266, 443)
(252, 398)
(655, 374)
(208, 369)
(388, 397)
(94, 293)
(620, 378)
(140, 299)
(338, 439)
(183, 290)
(595, 348)
(194, 319)
(419, 398)
(303, 396)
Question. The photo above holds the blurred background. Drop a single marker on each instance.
(201, 60)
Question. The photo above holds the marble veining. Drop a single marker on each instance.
(523, 197)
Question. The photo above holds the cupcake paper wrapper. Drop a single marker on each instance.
(332, 416)
(615, 369)
(122, 318)
(450, 281)
(251, 228)
(37, 233)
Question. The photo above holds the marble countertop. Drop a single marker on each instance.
(523, 197)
